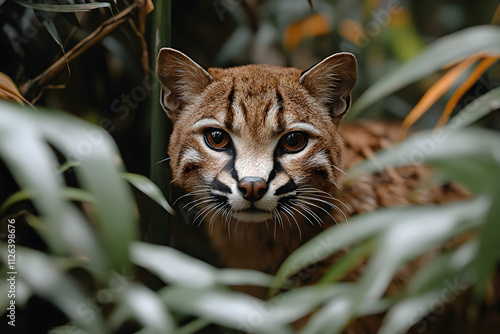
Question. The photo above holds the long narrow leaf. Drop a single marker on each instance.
(100, 175)
(175, 267)
(333, 240)
(476, 109)
(435, 92)
(143, 304)
(232, 309)
(47, 281)
(464, 87)
(489, 240)
(31, 161)
(71, 194)
(150, 189)
(416, 232)
(70, 8)
(461, 154)
(462, 44)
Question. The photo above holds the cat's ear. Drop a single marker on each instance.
(181, 80)
(331, 81)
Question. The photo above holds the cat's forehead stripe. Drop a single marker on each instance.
(306, 127)
(206, 123)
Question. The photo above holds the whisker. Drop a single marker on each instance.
(317, 206)
(201, 212)
(309, 189)
(302, 214)
(195, 202)
(327, 203)
(287, 208)
(227, 214)
(220, 208)
(321, 200)
(340, 170)
(311, 213)
(192, 193)
(207, 212)
(166, 159)
(287, 218)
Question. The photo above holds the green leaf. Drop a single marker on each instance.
(478, 108)
(333, 240)
(32, 163)
(67, 165)
(71, 194)
(150, 189)
(47, 281)
(332, 318)
(453, 47)
(417, 230)
(439, 282)
(489, 241)
(99, 173)
(70, 8)
(51, 28)
(175, 267)
(444, 267)
(297, 303)
(351, 260)
(243, 277)
(409, 312)
(462, 153)
(235, 310)
(194, 326)
(144, 305)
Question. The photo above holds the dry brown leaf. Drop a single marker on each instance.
(9, 91)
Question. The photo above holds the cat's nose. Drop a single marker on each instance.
(252, 188)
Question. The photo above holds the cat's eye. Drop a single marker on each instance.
(217, 139)
(294, 142)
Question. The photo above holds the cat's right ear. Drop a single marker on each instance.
(182, 80)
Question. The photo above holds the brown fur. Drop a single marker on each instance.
(257, 105)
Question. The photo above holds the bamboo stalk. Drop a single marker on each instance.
(158, 230)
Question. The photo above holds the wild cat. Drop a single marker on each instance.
(261, 150)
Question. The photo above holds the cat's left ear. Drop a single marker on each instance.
(331, 81)
(182, 81)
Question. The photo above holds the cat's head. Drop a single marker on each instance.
(258, 141)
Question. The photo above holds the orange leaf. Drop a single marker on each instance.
(314, 25)
(435, 92)
(9, 91)
(464, 87)
(352, 31)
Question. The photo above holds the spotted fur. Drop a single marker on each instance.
(257, 106)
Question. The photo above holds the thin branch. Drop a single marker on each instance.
(107, 27)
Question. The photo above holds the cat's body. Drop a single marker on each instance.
(261, 151)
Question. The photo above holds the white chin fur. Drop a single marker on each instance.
(252, 217)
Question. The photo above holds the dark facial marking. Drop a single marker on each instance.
(217, 185)
(286, 188)
(228, 121)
